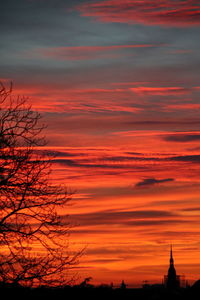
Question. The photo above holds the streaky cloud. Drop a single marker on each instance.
(152, 181)
(160, 91)
(127, 218)
(91, 52)
(186, 158)
(161, 13)
(182, 138)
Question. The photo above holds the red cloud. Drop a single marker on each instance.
(160, 91)
(79, 100)
(91, 52)
(185, 106)
(155, 12)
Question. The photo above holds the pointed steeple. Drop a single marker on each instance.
(171, 257)
(172, 278)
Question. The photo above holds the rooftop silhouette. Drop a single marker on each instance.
(172, 288)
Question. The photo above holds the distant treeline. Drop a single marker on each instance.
(102, 292)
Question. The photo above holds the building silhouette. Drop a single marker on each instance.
(123, 285)
(172, 280)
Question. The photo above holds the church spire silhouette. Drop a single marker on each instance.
(172, 280)
(171, 258)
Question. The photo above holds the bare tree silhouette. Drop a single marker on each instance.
(33, 240)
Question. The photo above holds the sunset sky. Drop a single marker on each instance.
(118, 84)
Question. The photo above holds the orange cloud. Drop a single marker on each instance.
(165, 13)
(131, 223)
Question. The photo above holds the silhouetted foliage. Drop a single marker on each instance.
(34, 241)
(103, 292)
